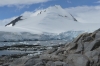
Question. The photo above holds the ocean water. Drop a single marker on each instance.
(42, 43)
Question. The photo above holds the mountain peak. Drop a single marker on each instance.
(59, 11)
(56, 6)
(56, 10)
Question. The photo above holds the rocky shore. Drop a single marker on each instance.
(82, 51)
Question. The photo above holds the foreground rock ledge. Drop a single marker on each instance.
(82, 51)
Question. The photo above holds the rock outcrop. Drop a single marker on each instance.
(14, 21)
(82, 51)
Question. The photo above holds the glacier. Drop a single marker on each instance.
(26, 36)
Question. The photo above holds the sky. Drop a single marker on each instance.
(82, 10)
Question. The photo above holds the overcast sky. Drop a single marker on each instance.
(85, 11)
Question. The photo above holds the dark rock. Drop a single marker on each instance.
(14, 21)
(73, 18)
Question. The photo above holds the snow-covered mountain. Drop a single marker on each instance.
(53, 20)
(51, 12)
(46, 24)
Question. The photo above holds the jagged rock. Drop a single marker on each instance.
(86, 43)
(82, 51)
